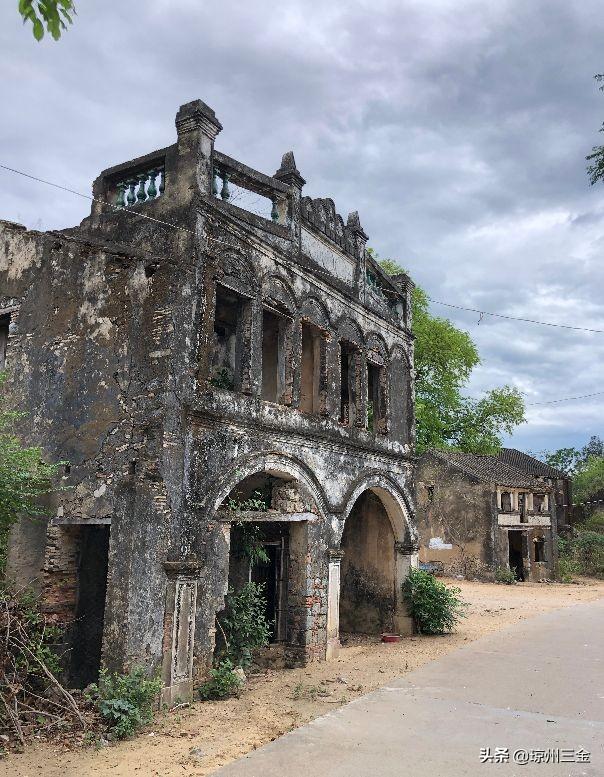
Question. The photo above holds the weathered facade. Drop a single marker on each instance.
(186, 357)
(478, 514)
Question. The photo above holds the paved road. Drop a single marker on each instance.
(536, 685)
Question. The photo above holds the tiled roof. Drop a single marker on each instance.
(487, 469)
(529, 464)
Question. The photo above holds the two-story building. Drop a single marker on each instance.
(477, 514)
(208, 338)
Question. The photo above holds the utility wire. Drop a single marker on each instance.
(565, 399)
(437, 302)
(97, 199)
(482, 313)
(516, 318)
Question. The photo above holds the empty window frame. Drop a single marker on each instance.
(4, 325)
(311, 366)
(376, 397)
(348, 383)
(226, 351)
(538, 502)
(275, 329)
(506, 502)
(539, 544)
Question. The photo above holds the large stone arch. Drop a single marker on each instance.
(280, 465)
(395, 498)
(292, 532)
(277, 291)
(377, 545)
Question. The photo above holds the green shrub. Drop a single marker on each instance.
(594, 522)
(505, 575)
(568, 569)
(126, 701)
(223, 682)
(581, 554)
(589, 551)
(435, 607)
(222, 379)
(244, 624)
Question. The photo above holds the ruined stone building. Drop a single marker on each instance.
(478, 514)
(200, 367)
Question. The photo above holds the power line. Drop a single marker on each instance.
(516, 318)
(97, 199)
(565, 399)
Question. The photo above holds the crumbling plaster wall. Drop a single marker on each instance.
(90, 362)
(457, 510)
(117, 320)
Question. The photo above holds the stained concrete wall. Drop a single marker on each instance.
(112, 357)
(453, 510)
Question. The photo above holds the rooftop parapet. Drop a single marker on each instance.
(166, 181)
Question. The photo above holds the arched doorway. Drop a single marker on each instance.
(271, 520)
(368, 568)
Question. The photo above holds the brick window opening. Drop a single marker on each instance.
(348, 379)
(275, 328)
(4, 325)
(310, 370)
(224, 366)
(506, 502)
(538, 503)
(376, 398)
(539, 549)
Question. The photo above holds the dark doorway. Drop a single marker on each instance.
(367, 589)
(268, 573)
(87, 633)
(515, 554)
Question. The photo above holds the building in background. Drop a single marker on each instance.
(480, 514)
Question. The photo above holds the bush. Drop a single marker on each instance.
(32, 700)
(223, 682)
(582, 554)
(126, 702)
(435, 607)
(567, 569)
(244, 624)
(505, 575)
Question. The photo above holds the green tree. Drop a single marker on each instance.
(595, 169)
(564, 459)
(55, 14)
(24, 475)
(589, 478)
(444, 359)
(572, 460)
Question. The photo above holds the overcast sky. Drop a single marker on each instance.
(457, 129)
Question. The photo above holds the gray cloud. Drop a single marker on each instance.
(457, 129)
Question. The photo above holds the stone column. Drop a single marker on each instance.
(333, 604)
(197, 128)
(289, 174)
(179, 630)
(405, 558)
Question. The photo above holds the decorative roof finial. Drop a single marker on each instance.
(288, 172)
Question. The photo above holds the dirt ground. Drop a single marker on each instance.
(198, 739)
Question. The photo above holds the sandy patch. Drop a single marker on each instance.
(198, 739)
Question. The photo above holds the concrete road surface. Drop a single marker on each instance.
(535, 689)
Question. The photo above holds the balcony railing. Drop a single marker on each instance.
(236, 183)
(145, 185)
